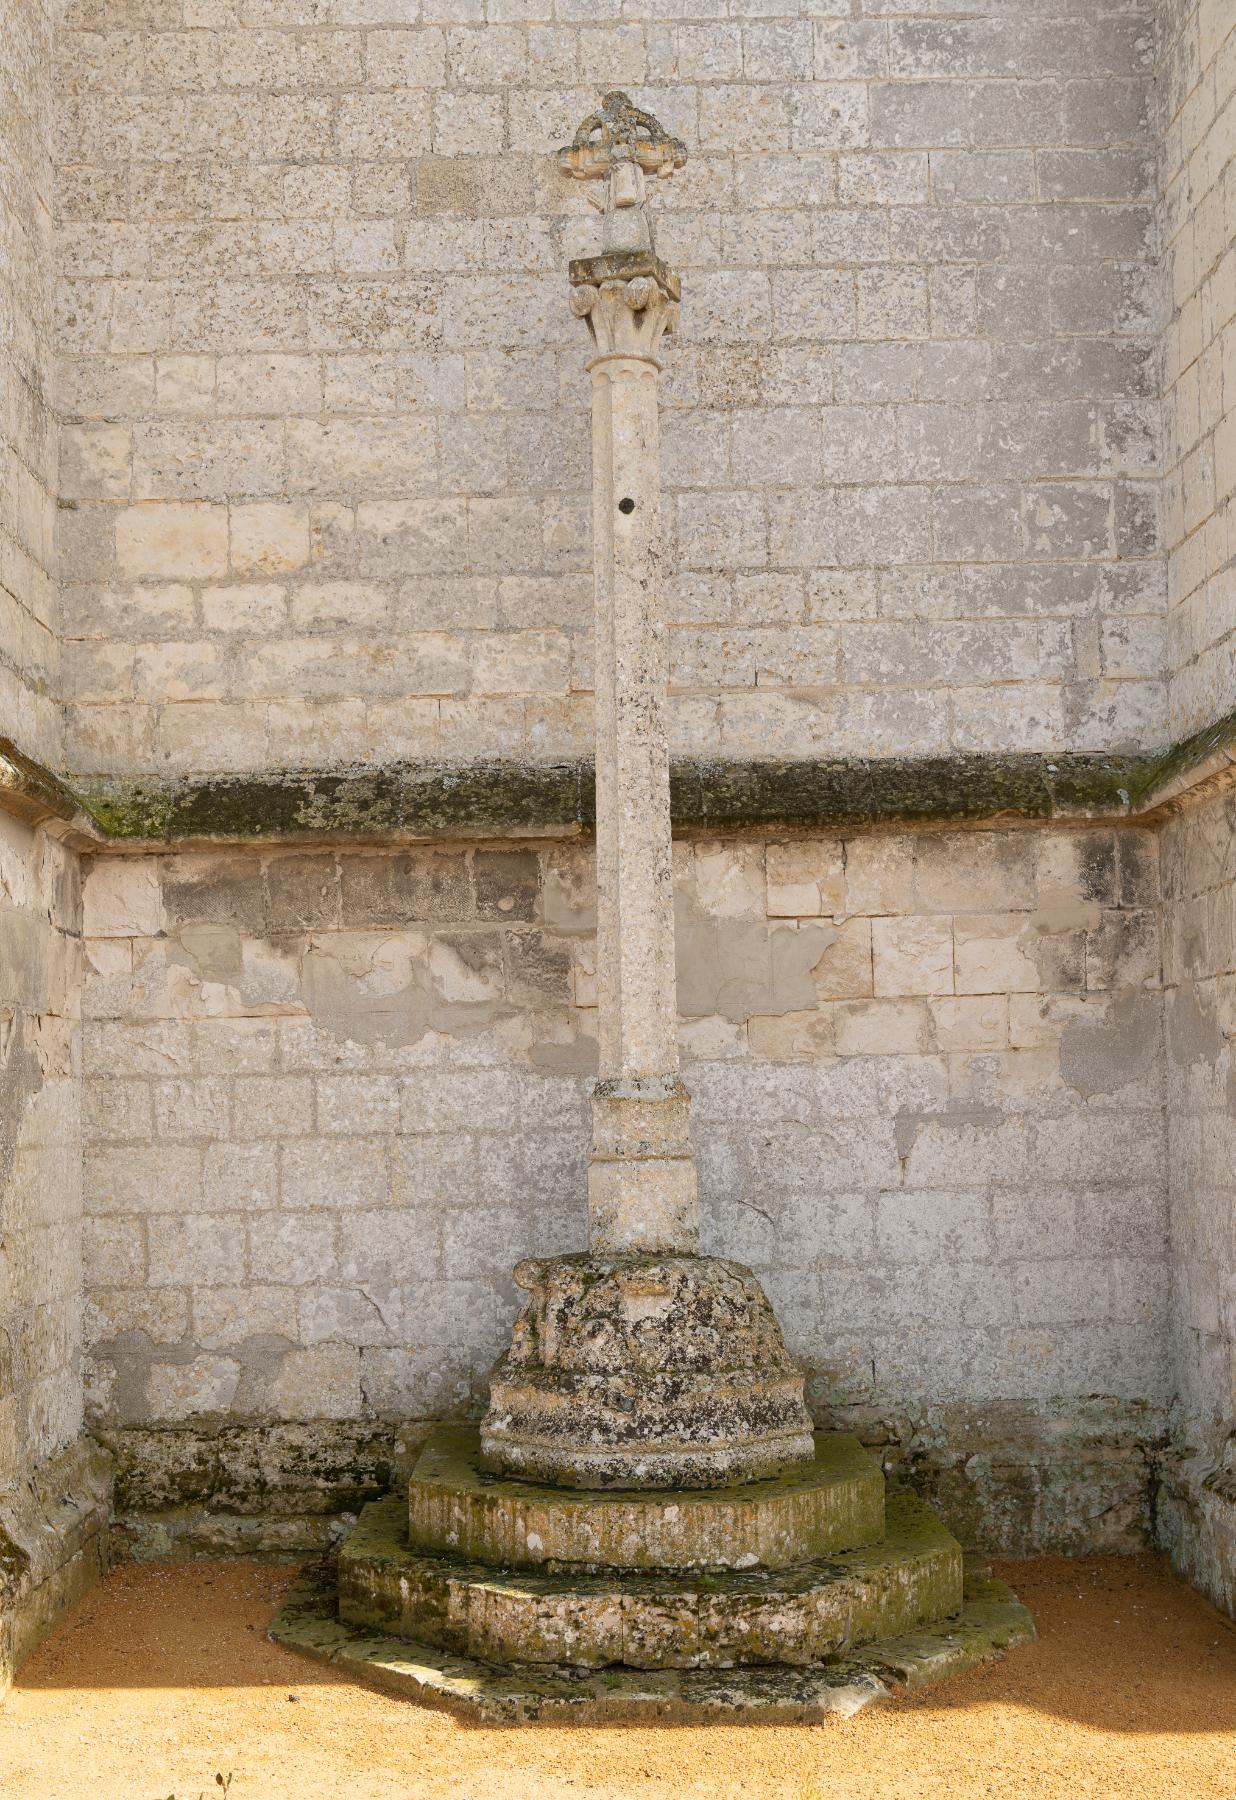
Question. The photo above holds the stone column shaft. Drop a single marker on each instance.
(635, 926)
(641, 1177)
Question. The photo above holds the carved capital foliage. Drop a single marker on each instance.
(628, 303)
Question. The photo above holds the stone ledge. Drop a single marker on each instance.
(53, 1546)
(1196, 1517)
(439, 800)
(498, 799)
(508, 799)
(1009, 1478)
(280, 1489)
(30, 792)
(992, 1620)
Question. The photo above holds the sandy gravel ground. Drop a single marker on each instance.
(164, 1676)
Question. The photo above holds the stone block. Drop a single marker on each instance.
(506, 883)
(882, 1027)
(181, 540)
(201, 1248)
(224, 1317)
(268, 538)
(176, 1390)
(273, 1106)
(121, 897)
(376, 126)
(912, 956)
(321, 1382)
(339, 1173)
(142, 1178)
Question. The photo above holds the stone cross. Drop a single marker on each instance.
(640, 1364)
(641, 1177)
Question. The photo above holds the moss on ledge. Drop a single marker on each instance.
(417, 799)
(500, 799)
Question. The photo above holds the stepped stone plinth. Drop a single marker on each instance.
(794, 1597)
(652, 1619)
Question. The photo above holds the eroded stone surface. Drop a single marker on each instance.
(652, 1620)
(53, 1546)
(456, 1509)
(991, 1620)
(644, 1371)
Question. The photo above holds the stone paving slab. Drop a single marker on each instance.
(992, 1620)
(688, 1619)
(834, 1503)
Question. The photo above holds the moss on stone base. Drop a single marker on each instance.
(652, 1619)
(992, 1620)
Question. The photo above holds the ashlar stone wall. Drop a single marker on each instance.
(325, 468)
(332, 1096)
(53, 1485)
(1197, 105)
(40, 1150)
(29, 647)
(1199, 945)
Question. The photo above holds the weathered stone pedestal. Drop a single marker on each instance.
(644, 1370)
(645, 1522)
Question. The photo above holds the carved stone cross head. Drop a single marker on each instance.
(621, 133)
(620, 145)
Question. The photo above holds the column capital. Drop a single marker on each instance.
(628, 299)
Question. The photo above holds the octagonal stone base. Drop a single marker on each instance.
(788, 1599)
(644, 1370)
(457, 1509)
(689, 1619)
(991, 1621)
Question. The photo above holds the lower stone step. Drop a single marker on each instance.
(652, 1620)
(992, 1620)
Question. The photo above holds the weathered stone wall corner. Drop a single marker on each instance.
(54, 1546)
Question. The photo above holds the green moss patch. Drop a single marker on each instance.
(502, 799)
